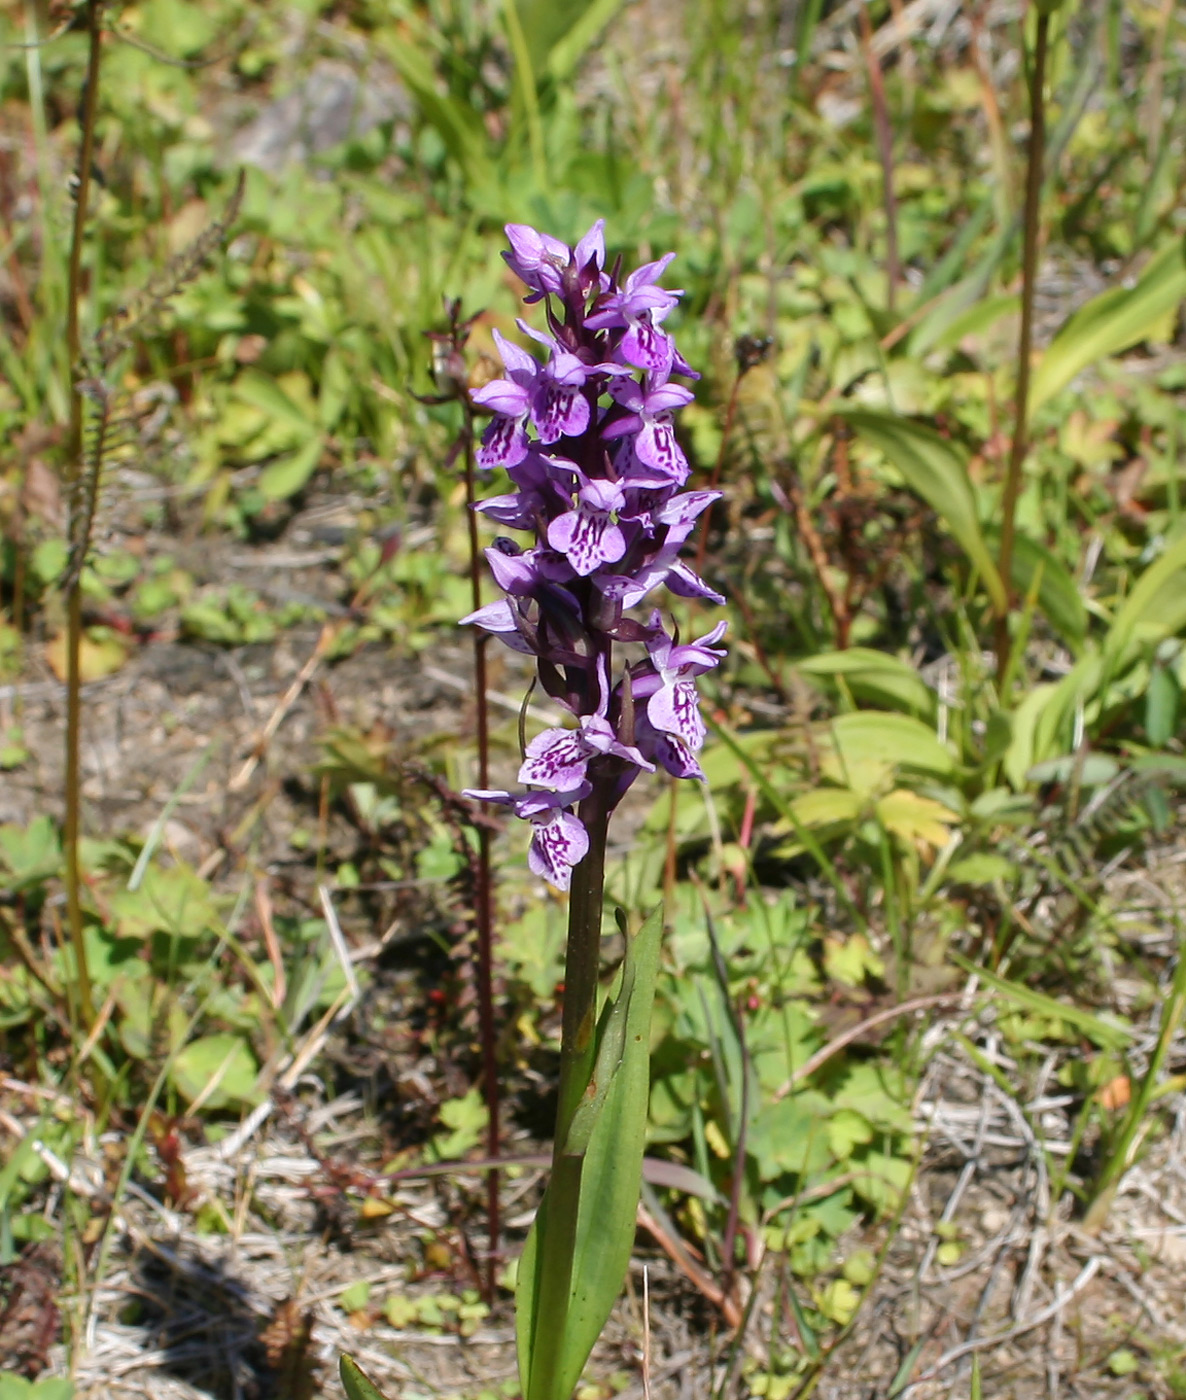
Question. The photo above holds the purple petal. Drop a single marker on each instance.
(667, 396)
(649, 273)
(499, 619)
(627, 392)
(687, 583)
(536, 258)
(700, 654)
(592, 245)
(514, 573)
(567, 369)
(685, 508)
(521, 365)
(501, 799)
(559, 412)
(541, 336)
(556, 758)
(668, 751)
(675, 709)
(503, 396)
(602, 494)
(631, 423)
(504, 443)
(656, 447)
(648, 347)
(559, 842)
(513, 510)
(587, 538)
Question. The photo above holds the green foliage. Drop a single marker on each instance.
(608, 1133)
(355, 1383)
(886, 812)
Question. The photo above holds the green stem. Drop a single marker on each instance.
(1035, 157)
(578, 1044)
(74, 491)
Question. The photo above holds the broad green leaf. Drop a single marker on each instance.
(287, 475)
(881, 1180)
(1113, 321)
(982, 868)
(223, 1060)
(936, 468)
(1163, 702)
(1019, 756)
(1077, 691)
(874, 675)
(609, 1186)
(974, 321)
(826, 807)
(838, 1301)
(879, 1093)
(30, 853)
(262, 392)
(355, 1383)
(175, 900)
(914, 818)
(883, 737)
(791, 1135)
(848, 1129)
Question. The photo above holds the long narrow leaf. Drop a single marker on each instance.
(610, 1181)
(1113, 321)
(1108, 1035)
(1154, 610)
(355, 1383)
(586, 24)
(937, 470)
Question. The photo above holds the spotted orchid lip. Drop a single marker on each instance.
(583, 421)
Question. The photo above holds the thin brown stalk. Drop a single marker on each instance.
(885, 154)
(75, 487)
(1035, 156)
(791, 499)
(484, 911)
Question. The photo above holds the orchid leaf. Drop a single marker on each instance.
(355, 1383)
(610, 1181)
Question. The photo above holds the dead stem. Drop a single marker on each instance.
(74, 487)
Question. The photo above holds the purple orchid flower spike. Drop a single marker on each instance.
(504, 443)
(588, 440)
